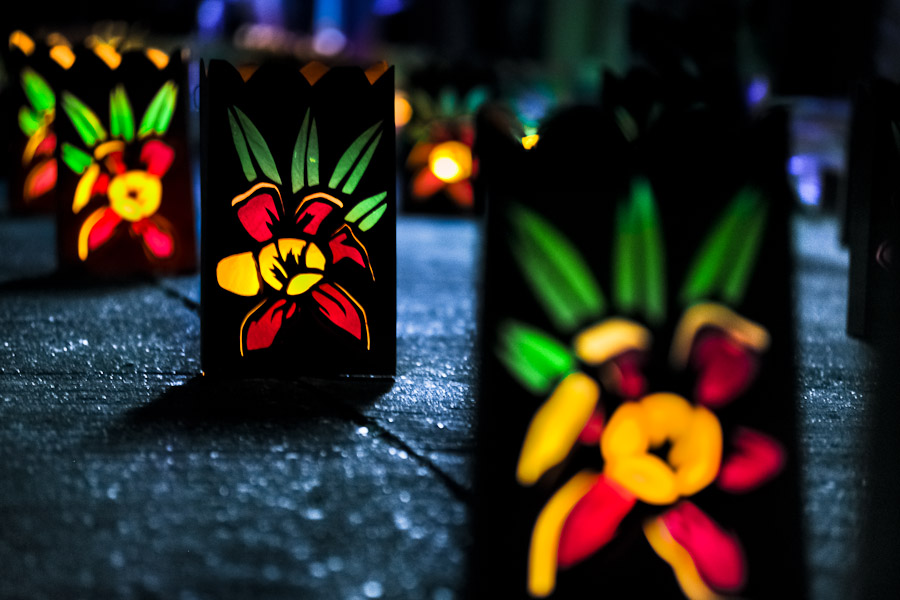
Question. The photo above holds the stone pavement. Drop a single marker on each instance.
(126, 474)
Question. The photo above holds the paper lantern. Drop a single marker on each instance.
(32, 64)
(299, 244)
(637, 419)
(124, 188)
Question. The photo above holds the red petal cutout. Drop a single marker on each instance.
(339, 309)
(343, 246)
(40, 180)
(316, 213)
(115, 162)
(290, 311)
(593, 521)
(103, 229)
(461, 192)
(258, 216)
(261, 332)
(100, 185)
(593, 429)
(756, 459)
(158, 157)
(156, 236)
(628, 370)
(716, 553)
(725, 368)
(47, 146)
(467, 135)
(426, 184)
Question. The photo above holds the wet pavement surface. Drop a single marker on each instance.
(126, 474)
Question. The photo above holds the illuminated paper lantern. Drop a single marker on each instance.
(124, 188)
(32, 64)
(637, 418)
(299, 245)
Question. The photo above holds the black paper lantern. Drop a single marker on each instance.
(299, 244)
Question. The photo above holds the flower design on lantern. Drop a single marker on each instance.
(133, 188)
(291, 262)
(657, 448)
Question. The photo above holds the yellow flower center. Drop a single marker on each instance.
(637, 428)
(135, 195)
(291, 262)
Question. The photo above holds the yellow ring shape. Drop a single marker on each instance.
(743, 331)
(638, 427)
(610, 338)
(556, 425)
(135, 195)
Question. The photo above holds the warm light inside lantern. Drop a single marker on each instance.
(402, 109)
(451, 161)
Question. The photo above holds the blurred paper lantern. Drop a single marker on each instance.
(439, 131)
(32, 65)
(299, 240)
(125, 203)
(635, 435)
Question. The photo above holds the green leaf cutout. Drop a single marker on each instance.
(29, 121)
(361, 167)
(556, 272)
(37, 90)
(652, 250)
(312, 157)
(83, 118)
(724, 263)
(121, 117)
(534, 359)
(305, 160)
(364, 207)
(298, 159)
(258, 147)
(373, 218)
(240, 144)
(76, 159)
(350, 155)
(158, 115)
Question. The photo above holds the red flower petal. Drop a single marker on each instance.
(628, 371)
(40, 180)
(426, 184)
(315, 212)
(156, 235)
(716, 553)
(725, 368)
(592, 431)
(158, 157)
(115, 162)
(100, 185)
(345, 245)
(261, 332)
(461, 192)
(103, 229)
(756, 459)
(258, 216)
(593, 521)
(47, 146)
(342, 310)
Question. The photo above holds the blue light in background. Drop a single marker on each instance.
(757, 90)
(387, 7)
(211, 16)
